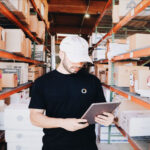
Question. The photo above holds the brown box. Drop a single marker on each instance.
(32, 68)
(33, 24)
(41, 71)
(2, 38)
(32, 76)
(122, 74)
(118, 41)
(41, 30)
(28, 50)
(138, 41)
(139, 79)
(9, 80)
(0, 80)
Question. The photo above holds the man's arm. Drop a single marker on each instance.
(38, 118)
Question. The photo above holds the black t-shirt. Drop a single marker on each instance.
(67, 96)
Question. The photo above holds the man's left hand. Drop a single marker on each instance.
(106, 119)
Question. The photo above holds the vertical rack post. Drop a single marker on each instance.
(112, 79)
(53, 58)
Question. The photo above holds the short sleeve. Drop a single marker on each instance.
(37, 99)
(100, 98)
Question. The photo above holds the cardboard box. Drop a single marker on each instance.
(32, 68)
(39, 53)
(23, 135)
(126, 6)
(2, 39)
(16, 98)
(138, 41)
(122, 75)
(21, 69)
(32, 76)
(34, 24)
(28, 50)
(0, 80)
(41, 30)
(17, 117)
(115, 14)
(41, 71)
(136, 123)
(17, 44)
(9, 80)
(24, 145)
(2, 107)
(126, 105)
(38, 4)
(139, 80)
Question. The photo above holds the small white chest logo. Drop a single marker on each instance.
(83, 91)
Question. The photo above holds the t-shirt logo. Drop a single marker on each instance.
(84, 91)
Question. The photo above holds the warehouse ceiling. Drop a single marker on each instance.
(68, 16)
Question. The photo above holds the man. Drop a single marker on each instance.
(64, 95)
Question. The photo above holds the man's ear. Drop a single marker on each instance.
(61, 55)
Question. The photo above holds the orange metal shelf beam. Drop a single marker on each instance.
(102, 14)
(11, 17)
(133, 144)
(135, 54)
(15, 90)
(134, 99)
(7, 55)
(140, 7)
(39, 14)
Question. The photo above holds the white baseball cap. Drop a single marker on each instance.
(76, 49)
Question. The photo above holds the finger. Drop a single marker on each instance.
(102, 121)
(102, 117)
(108, 114)
(81, 120)
(105, 123)
(81, 126)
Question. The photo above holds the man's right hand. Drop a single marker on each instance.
(74, 124)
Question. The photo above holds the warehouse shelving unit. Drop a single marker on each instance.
(8, 55)
(11, 56)
(136, 143)
(7, 92)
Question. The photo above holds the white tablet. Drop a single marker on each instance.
(97, 109)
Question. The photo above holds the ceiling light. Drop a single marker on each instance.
(87, 15)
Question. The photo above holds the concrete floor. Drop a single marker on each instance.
(124, 146)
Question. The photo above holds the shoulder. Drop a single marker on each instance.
(85, 73)
(44, 78)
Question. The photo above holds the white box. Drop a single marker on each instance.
(23, 136)
(15, 40)
(17, 116)
(136, 123)
(98, 55)
(24, 146)
(2, 107)
(16, 98)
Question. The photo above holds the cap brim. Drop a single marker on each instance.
(79, 59)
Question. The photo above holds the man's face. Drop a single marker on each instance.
(70, 66)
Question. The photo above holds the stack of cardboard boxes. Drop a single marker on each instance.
(19, 132)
